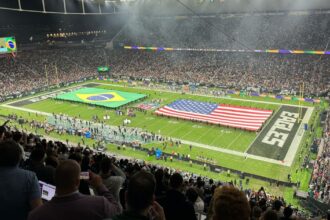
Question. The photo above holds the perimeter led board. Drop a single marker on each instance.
(7, 45)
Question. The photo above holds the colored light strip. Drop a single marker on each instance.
(279, 51)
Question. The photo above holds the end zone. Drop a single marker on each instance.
(281, 137)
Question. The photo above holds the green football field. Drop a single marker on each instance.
(197, 134)
(213, 135)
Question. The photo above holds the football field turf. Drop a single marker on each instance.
(222, 140)
(213, 135)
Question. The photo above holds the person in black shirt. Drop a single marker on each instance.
(175, 205)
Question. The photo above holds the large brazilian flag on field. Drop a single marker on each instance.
(101, 97)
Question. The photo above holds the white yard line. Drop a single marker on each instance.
(174, 130)
(236, 153)
(189, 132)
(26, 109)
(217, 138)
(144, 121)
(235, 139)
(205, 133)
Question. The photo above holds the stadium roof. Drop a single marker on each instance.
(173, 7)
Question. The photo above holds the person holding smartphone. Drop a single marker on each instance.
(68, 203)
(140, 199)
(112, 176)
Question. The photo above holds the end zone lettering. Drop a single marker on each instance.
(276, 138)
(279, 132)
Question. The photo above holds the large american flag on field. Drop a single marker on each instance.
(227, 115)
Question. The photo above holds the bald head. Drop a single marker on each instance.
(67, 177)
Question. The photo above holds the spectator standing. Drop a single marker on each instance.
(175, 205)
(112, 182)
(140, 199)
(195, 200)
(37, 165)
(278, 208)
(20, 189)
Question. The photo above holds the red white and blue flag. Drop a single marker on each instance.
(144, 106)
(227, 115)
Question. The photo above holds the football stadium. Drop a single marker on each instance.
(172, 109)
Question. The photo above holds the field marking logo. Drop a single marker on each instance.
(101, 97)
(279, 136)
(281, 129)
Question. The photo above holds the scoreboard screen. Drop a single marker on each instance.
(103, 69)
(7, 45)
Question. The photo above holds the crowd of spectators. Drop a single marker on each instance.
(43, 68)
(320, 182)
(239, 32)
(118, 188)
(227, 70)
(270, 73)
(234, 71)
(33, 69)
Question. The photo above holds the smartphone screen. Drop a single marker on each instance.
(84, 175)
(47, 190)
